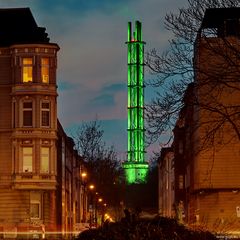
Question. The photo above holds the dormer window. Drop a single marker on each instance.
(45, 70)
(27, 70)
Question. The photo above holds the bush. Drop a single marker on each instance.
(158, 228)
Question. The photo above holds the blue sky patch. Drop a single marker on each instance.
(115, 87)
(105, 100)
(64, 86)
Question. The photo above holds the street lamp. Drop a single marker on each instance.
(84, 197)
(104, 206)
(84, 175)
(91, 187)
(97, 202)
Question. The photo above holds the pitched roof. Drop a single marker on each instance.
(17, 26)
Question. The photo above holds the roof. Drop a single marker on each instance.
(17, 26)
(215, 17)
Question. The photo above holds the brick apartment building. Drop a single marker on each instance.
(206, 140)
(39, 169)
(166, 179)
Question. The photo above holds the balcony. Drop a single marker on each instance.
(34, 133)
(34, 181)
(30, 88)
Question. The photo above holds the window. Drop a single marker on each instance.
(45, 114)
(45, 155)
(181, 184)
(27, 159)
(27, 114)
(180, 147)
(35, 210)
(45, 70)
(27, 70)
(14, 114)
(35, 205)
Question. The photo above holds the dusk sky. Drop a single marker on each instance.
(92, 61)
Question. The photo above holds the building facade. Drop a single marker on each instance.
(69, 184)
(216, 140)
(166, 181)
(206, 136)
(39, 168)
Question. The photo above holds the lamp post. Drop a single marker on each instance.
(91, 187)
(83, 178)
(99, 200)
(103, 212)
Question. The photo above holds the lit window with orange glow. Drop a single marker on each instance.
(27, 158)
(45, 70)
(45, 156)
(27, 70)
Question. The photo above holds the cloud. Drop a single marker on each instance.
(107, 96)
(115, 87)
(65, 86)
(93, 56)
(104, 100)
(92, 61)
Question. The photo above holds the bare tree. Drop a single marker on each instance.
(211, 80)
(89, 140)
(101, 161)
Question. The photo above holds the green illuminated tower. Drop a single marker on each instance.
(135, 167)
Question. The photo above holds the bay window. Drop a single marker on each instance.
(44, 162)
(27, 70)
(27, 114)
(27, 158)
(45, 70)
(45, 114)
